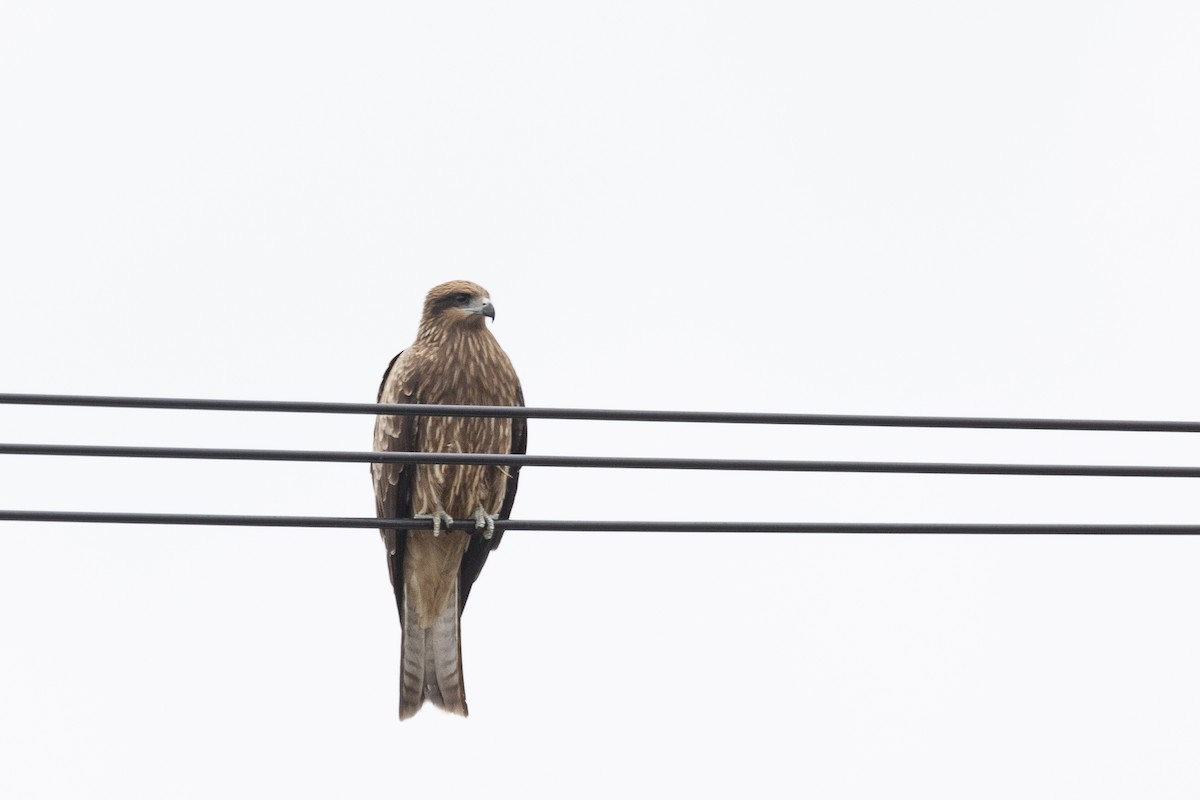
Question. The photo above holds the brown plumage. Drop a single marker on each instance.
(454, 361)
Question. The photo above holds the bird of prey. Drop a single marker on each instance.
(455, 360)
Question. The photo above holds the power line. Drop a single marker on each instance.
(612, 526)
(603, 462)
(524, 460)
(863, 420)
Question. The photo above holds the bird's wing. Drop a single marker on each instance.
(478, 548)
(393, 482)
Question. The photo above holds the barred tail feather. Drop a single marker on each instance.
(431, 662)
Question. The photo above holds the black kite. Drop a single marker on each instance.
(454, 361)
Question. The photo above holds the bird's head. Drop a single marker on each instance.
(458, 303)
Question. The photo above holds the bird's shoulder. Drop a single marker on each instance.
(402, 378)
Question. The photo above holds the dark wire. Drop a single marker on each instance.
(603, 462)
(643, 526)
(761, 465)
(865, 420)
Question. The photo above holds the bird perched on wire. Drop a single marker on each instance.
(454, 361)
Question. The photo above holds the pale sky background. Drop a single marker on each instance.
(863, 207)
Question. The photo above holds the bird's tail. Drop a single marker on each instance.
(431, 661)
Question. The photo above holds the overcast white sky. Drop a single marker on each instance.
(864, 207)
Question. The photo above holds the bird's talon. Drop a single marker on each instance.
(486, 521)
(438, 518)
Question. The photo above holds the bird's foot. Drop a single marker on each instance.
(486, 521)
(439, 516)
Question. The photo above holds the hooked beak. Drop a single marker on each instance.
(488, 310)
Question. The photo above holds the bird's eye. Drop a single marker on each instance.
(461, 298)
